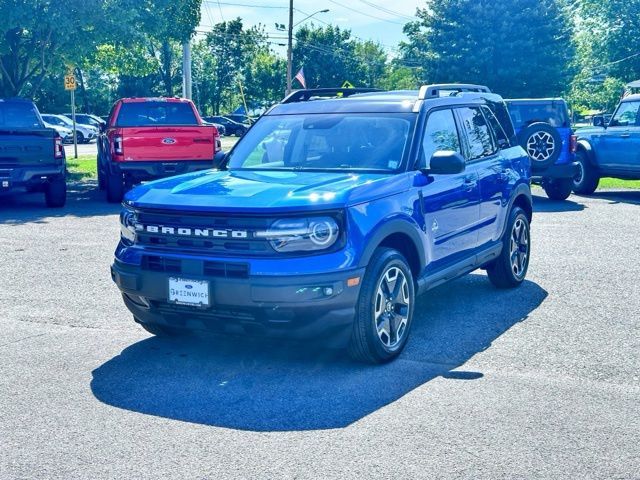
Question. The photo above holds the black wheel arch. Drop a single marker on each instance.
(402, 235)
(585, 147)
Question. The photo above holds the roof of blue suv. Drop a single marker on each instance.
(399, 101)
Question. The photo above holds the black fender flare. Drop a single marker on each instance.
(403, 225)
(584, 145)
(521, 191)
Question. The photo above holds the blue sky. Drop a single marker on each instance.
(357, 15)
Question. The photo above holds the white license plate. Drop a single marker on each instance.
(189, 292)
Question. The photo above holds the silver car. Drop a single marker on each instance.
(84, 133)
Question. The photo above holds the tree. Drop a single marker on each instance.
(517, 47)
(38, 36)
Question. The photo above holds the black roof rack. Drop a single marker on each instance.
(324, 93)
(434, 91)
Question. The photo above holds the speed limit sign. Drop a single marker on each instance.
(69, 82)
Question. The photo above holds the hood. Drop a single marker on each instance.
(251, 191)
(586, 131)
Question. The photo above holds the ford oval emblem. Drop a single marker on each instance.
(168, 141)
(188, 287)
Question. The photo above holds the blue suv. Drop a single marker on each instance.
(543, 129)
(329, 216)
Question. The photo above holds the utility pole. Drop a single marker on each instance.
(186, 70)
(290, 48)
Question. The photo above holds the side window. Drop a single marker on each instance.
(440, 134)
(626, 115)
(501, 136)
(477, 132)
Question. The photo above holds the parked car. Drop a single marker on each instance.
(231, 126)
(543, 128)
(31, 155)
(611, 150)
(65, 133)
(84, 133)
(221, 130)
(151, 138)
(328, 218)
(88, 119)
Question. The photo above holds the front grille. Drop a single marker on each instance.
(161, 264)
(200, 244)
(226, 270)
(155, 263)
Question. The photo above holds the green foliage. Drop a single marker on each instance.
(518, 48)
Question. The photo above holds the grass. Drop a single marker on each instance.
(82, 168)
(616, 183)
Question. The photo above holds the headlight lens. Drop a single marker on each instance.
(127, 225)
(302, 234)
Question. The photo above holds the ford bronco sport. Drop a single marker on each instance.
(329, 216)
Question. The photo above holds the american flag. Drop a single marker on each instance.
(300, 77)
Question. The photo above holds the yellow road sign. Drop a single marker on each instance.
(347, 84)
(69, 82)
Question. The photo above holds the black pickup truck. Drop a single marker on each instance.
(31, 156)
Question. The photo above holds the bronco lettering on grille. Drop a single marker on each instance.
(192, 232)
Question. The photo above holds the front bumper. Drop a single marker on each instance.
(563, 170)
(21, 177)
(143, 171)
(280, 306)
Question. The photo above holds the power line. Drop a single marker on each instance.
(387, 10)
(245, 5)
(360, 12)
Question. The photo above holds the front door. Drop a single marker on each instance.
(618, 148)
(451, 203)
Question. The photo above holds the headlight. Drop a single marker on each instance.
(301, 234)
(128, 225)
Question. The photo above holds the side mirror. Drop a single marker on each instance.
(218, 159)
(445, 162)
(598, 121)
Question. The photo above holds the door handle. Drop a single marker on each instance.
(469, 184)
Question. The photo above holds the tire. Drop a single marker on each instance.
(507, 273)
(102, 184)
(542, 143)
(373, 339)
(55, 192)
(587, 179)
(79, 137)
(557, 188)
(115, 187)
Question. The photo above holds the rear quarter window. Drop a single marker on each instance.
(19, 115)
(149, 114)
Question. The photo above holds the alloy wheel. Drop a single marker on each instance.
(519, 250)
(540, 146)
(391, 308)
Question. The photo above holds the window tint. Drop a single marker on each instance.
(477, 132)
(554, 113)
(626, 115)
(18, 115)
(146, 114)
(501, 136)
(440, 134)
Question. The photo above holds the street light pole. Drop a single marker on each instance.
(290, 48)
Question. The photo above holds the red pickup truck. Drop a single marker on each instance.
(151, 138)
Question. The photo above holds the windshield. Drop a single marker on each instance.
(344, 141)
(554, 113)
(18, 115)
(147, 114)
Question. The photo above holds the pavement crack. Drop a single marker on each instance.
(21, 339)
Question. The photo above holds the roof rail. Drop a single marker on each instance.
(309, 94)
(434, 91)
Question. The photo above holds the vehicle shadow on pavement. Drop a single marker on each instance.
(618, 196)
(267, 386)
(545, 205)
(83, 200)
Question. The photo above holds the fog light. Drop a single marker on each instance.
(328, 291)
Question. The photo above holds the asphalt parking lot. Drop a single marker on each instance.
(540, 382)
